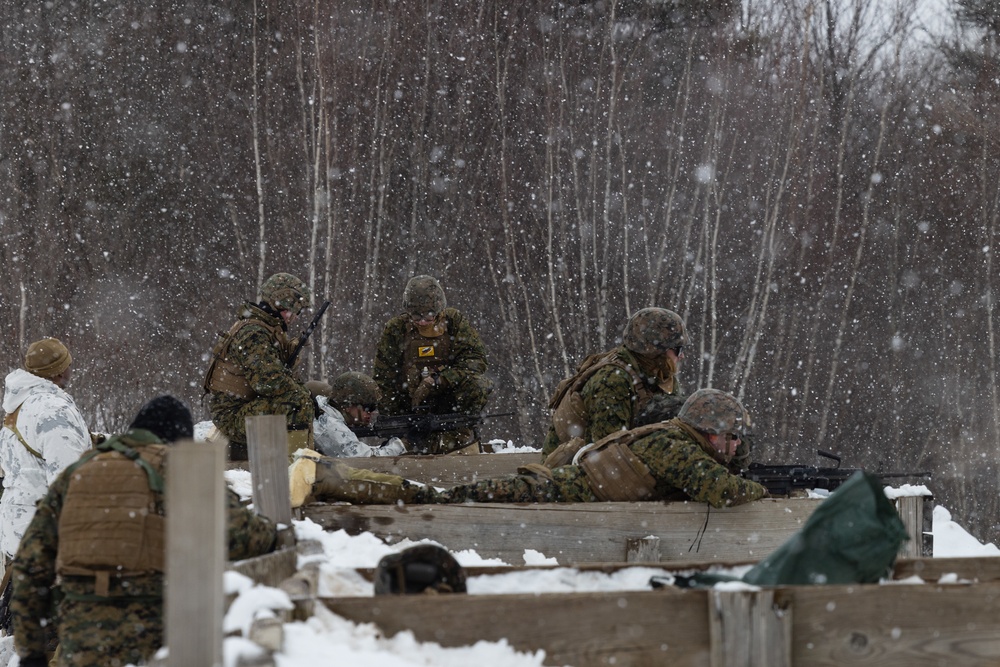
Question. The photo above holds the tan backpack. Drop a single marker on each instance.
(569, 416)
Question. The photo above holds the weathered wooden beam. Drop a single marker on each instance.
(580, 532)
(268, 569)
(642, 550)
(980, 570)
(585, 532)
(580, 629)
(749, 629)
(911, 511)
(977, 570)
(814, 626)
(267, 444)
(196, 553)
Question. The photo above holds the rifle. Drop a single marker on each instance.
(305, 334)
(781, 480)
(421, 423)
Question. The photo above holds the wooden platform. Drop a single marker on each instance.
(894, 625)
(587, 532)
(889, 625)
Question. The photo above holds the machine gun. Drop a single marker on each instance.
(781, 480)
(304, 337)
(421, 424)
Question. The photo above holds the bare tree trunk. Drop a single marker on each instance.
(259, 179)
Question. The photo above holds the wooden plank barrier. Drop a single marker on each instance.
(196, 553)
(267, 445)
(584, 532)
(805, 626)
(887, 625)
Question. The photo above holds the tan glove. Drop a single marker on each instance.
(423, 390)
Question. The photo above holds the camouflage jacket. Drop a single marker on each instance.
(51, 424)
(261, 357)
(682, 467)
(34, 570)
(611, 401)
(681, 464)
(467, 357)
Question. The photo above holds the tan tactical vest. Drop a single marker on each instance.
(569, 416)
(424, 352)
(110, 524)
(225, 376)
(614, 472)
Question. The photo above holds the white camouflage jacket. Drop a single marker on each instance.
(334, 438)
(52, 425)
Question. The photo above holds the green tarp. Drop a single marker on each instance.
(852, 538)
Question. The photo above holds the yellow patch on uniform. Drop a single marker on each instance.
(425, 351)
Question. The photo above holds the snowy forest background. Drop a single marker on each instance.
(813, 184)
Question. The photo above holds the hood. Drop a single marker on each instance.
(20, 384)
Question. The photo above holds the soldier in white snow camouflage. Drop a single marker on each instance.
(352, 400)
(43, 433)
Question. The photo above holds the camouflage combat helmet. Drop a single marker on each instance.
(653, 331)
(419, 569)
(353, 389)
(713, 411)
(283, 291)
(423, 294)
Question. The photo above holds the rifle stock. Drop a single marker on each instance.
(420, 423)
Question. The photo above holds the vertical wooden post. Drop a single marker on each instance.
(748, 629)
(911, 511)
(642, 550)
(196, 553)
(267, 443)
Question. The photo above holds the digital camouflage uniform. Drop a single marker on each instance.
(611, 399)
(679, 460)
(463, 385)
(127, 625)
(261, 354)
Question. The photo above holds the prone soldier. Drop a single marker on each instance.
(351, 401)
(685, 457)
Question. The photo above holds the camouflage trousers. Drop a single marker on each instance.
(113, 633)
(229, 413)
(568, 485)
